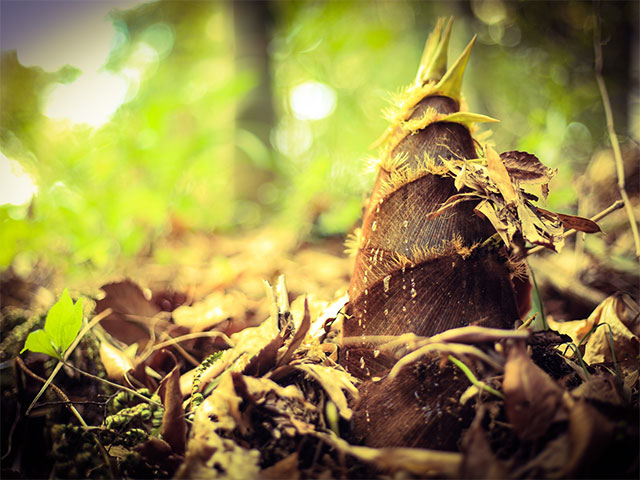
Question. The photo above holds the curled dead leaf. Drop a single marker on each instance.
(626, 345)
(116, 362)
(612, 320)
(174, 427)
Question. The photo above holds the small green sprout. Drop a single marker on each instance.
(61, 327)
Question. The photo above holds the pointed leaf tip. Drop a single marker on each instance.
(433, 64)
(451, 83)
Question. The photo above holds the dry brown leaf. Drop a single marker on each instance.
(539, 232)
(211, 456)
(265, 360)
(616, 313)
(334, 381)
(131, 312)
(573, 221)
(625, 343)
(549, 463)
(174, 427)
(576, 329)
(532, 399)
(299, 336)
(506, 230)
(525, 168)
(218, 309)
(571, 454)
(503, 201)
(500, 177)
(248, 343)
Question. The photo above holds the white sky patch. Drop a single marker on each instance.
(82, 40)
(16, 186)
(312, 101)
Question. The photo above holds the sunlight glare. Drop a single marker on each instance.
(92, 98)
(16, 186)
(312, 101)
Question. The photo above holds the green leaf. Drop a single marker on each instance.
(61, 327)
(40, 342)
(64, 321)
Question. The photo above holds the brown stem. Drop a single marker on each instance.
(597, 46)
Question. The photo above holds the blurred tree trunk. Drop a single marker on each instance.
(255, 115)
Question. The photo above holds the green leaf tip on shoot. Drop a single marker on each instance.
(450, 84)
(434, 58)
(61, 327)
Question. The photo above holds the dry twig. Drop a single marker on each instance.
(599, 216)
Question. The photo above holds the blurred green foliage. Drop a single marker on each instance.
(169, 159)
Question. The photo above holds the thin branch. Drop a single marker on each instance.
(597, 46)
(618, 204)
(114, 385)
(69, 404)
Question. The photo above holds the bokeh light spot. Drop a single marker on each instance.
(312, 101)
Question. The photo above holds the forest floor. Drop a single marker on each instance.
(253, 387)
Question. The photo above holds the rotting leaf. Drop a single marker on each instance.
(174, 428)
